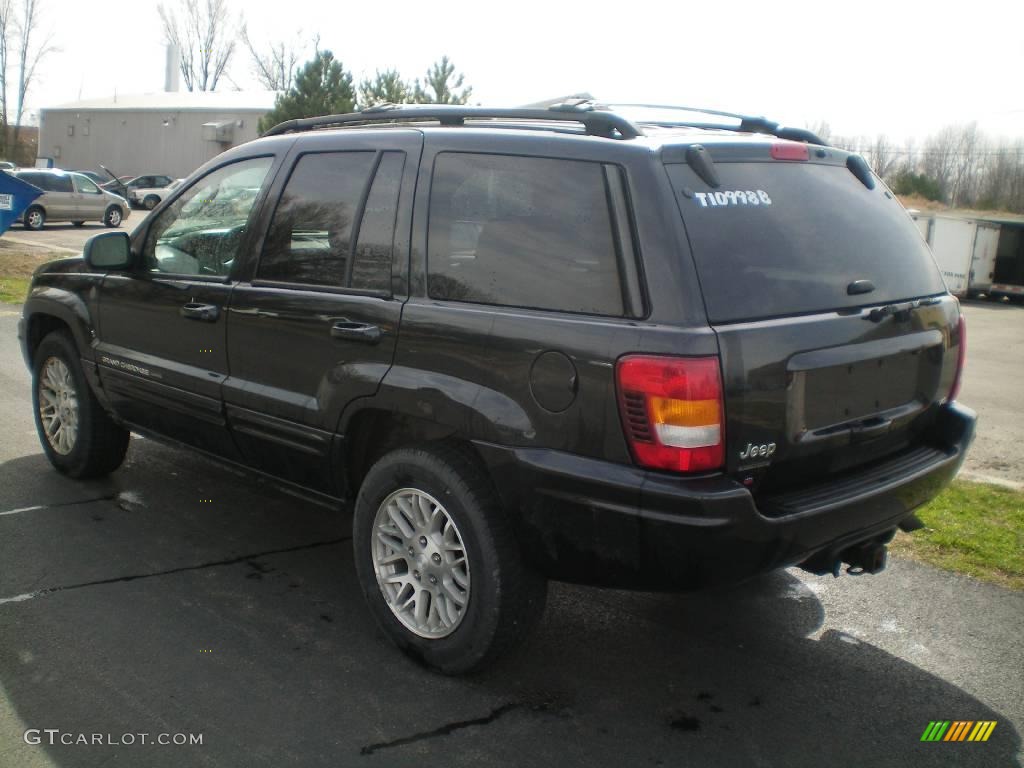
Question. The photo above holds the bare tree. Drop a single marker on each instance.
(882, 156)
(204, 33)
(276, 65)
(29, 53)
(6, 30)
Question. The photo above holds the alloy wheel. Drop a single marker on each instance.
(421, 563)
(58, 406)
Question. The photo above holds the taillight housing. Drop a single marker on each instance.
(961, 358)
(672, 411)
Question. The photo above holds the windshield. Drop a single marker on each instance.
(779, 238)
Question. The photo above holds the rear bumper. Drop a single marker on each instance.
(597, 522)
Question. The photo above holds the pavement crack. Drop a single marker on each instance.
(181, 569)
(449, 728)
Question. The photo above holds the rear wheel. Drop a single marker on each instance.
(35, 218)
(78, 223)
(78, 436)
(150, 202)
(113, 216)
(438, 562)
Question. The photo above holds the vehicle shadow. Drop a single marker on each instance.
(243, 621)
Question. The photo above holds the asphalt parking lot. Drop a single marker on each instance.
(66, 238)
(178, 597)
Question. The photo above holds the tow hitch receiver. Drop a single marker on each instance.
(868, 557)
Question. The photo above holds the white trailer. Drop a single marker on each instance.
(975, 255)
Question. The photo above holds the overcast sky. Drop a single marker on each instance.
(902, 68)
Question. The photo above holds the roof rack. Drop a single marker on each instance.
(748, 123)
(595, 122)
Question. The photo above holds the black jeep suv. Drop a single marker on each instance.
(526, 344)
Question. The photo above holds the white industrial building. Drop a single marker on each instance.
(169, 132)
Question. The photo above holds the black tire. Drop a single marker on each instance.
(506, 597)
(78, 223)
(101, 444)
(151, 202)
(113, 216)
(35, 217)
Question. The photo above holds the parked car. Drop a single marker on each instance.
(526, 344)
(125, 185)
(150, 197)
(70, 197)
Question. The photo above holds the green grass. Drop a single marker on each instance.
(13, 289)
(972, 528)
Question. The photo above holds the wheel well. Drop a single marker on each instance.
(39, 327)
(372, 433)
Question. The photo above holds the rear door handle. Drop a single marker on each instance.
(865, 430)
(364, 332)
(205, 312)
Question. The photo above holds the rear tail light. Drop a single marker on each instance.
(961, 357)
(672, 411)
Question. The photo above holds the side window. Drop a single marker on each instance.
(161, 181)
(310, 237)
(84, 184)
(375, 246)
(61, 183)
(523, 232)
(201, 232)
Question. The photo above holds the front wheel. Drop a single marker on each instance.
(77, 435)
(150, 202)
(113, 216)
(438, 561)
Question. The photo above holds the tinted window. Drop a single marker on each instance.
(790, 237)
(60, 182)
(310, 235)
(524, 232)
(372, 268)
(201, 231)
(33, 179)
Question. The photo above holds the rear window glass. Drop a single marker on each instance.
(780, 238)
(522, 232)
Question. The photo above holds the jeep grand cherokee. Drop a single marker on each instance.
(526, 344)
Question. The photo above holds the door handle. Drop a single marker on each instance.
(865, 430)
(364, 332)
(205, 312)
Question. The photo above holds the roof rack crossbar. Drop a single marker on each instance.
(595, 122)
(748, 123)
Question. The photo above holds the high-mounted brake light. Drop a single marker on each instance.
(672, 411)
(790, 152)
(961, 358)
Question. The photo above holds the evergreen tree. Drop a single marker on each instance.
(387, 87)
(442, 85)
(322, 87)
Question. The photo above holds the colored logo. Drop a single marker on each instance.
(958, 730)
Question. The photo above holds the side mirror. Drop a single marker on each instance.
(108, 250)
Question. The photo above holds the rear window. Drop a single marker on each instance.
(522, 232)
(780, 238)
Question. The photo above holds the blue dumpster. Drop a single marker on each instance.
(15, 196)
